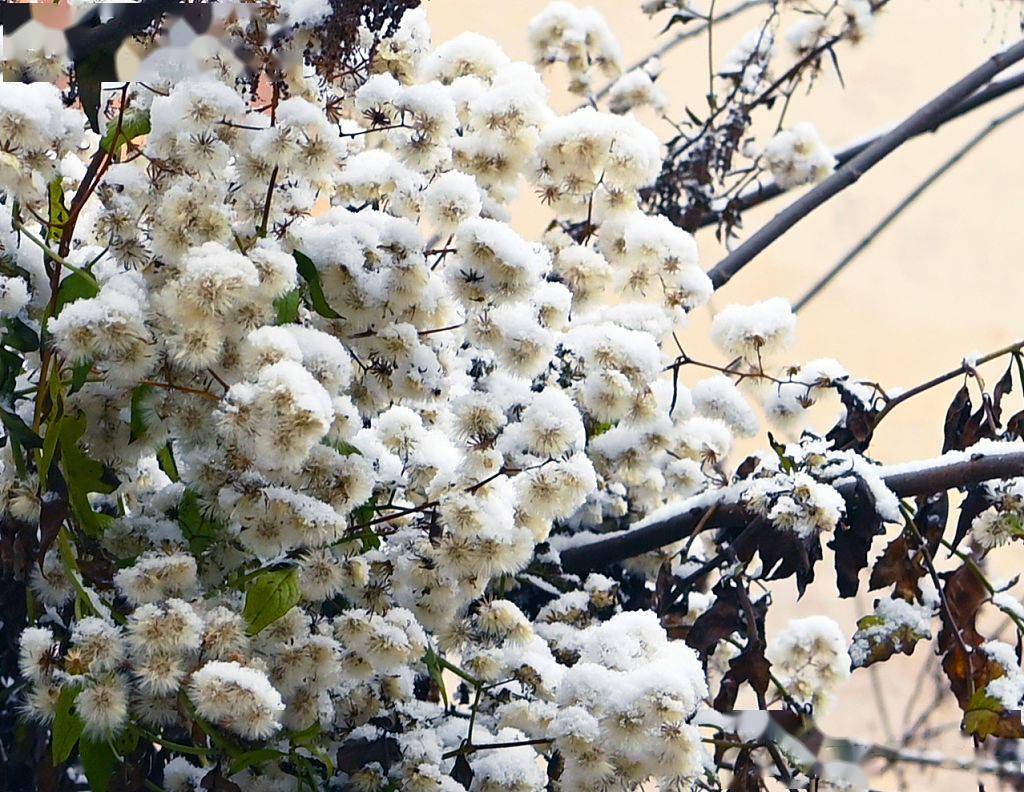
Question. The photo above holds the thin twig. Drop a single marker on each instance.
(917, 122)
(679, 38)
(897, 210)
(960, 370)
(766, 192)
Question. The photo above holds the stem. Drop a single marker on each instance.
(445, 664)
(963, 368)
(39, 243)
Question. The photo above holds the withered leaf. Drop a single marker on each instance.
(957, 415)
(853, 537)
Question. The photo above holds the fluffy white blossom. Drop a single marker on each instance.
(810, 660)
(798, 156)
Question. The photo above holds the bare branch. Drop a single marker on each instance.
(947, 472)
(897, 210)
(991, 92)
(920, 121)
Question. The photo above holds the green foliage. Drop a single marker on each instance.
(987, 717)
(286, 307)
(99, 762)
(195, 527)
(270, 596)
(133, 125)
(137, 422)
(307, 269)
(75, 286)
(67, 726)
(83, 475)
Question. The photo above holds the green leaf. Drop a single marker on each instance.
(79, 374)
(83, 475)
(436, 674)
(99, 762)
(165, 458)
(306, 737)
(58, 212)
(360, 517)
(270, 596)
(140, 406)
(200, 531)
(20, 336)
(53, 430)
(74, 287)
(780, 449)
(286, 307)
(67, 726)
(19, 430)
(345, 448)
(10, 367)
(253, 759)
(307, 269)
(987, 717)
(132, 126)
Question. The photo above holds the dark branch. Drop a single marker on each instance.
(766, 192)
(945, 473)
(918, 122)
(897, 210)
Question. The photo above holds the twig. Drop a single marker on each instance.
(766, 192)
(896, 211)
(963, 368)
(917, 122)
(679, 38)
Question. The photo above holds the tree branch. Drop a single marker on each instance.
(765, 192)
(897, 210)
(918, 122)
(955, 469)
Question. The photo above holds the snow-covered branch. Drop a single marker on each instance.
(676, 522)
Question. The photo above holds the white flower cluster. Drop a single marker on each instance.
(1004, 520)
(389, 401)
(796, 502)
(855, 22)
(39, 139)
(299, 347)
(810, 660)
(636, 88)
(579, 38)
(798, 156)
(749, 331)
(748, 63)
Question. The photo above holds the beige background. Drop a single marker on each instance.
(940, 283)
